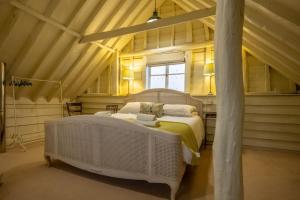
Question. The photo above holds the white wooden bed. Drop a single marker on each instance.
(122, 149)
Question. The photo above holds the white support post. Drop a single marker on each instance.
(115, 74)
(230, 101)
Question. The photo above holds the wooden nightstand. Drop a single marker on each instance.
(209, 117)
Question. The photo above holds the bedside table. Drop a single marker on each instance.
(208, 116)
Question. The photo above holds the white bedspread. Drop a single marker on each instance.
(195, 122)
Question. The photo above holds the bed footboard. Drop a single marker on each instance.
(116, 148)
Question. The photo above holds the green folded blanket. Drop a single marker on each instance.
(187, 137)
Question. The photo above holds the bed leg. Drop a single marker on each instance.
(173, 192)
(48, 160)
(1, 175)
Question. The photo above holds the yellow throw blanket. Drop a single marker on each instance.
(187, 137)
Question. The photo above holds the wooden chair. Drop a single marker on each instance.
(112, 108)
(74, 108)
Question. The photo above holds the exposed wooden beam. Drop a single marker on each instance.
(58, 72)
(276, 61)
(72, 85)
(276, 8)
(80, 70)
(206, 32)
(43, 69)
(30, 42)
(135, 17)
(115, 17)
(170, 48)
(150, 26)
(52, 22)
(245, 70)
(267, 78)
(258, 19)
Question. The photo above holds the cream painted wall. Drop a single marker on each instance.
(271, 121)
(30, 118)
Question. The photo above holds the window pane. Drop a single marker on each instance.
(158, 70)
(177, 68)
(158, 82)
(176, 82)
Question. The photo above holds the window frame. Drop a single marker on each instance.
(166, 74)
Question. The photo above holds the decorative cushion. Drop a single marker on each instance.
(157, 109)
(146, 107)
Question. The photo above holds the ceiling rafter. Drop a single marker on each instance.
(53, 22)
(150, 26)
(286, 71)
(120, 22)
(83, 72)
(138, 16)
(76, 70)
(30, 41)
(26, 47)
(57, 72)
(277, 9)
(42, 70)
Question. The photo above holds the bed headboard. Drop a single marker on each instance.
(166, 96)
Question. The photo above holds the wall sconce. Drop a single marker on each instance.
(209, 70)
(128, 75)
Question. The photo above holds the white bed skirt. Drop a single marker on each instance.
(116, 148)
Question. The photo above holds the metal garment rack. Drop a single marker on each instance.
(17, 137)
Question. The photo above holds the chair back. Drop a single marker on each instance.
(74, 108)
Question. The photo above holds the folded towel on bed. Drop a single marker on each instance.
(103, 113)
(148, 123)
(145, 117)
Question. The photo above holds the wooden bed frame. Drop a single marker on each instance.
(157, 145)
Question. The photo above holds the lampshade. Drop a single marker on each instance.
(127, 74)
(209, 69)
(154, 16)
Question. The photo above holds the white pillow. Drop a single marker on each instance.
(179, 110)
(131, 107)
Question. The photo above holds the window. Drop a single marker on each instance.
(171, 76)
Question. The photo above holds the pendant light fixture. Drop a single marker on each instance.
(154, 16)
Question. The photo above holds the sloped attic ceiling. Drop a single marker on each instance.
(39, 38)
(271, 31)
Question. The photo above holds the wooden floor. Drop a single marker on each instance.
(268, 175)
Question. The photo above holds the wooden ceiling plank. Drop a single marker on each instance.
(104, 62)
(56, 73)
(137, 16)
(70, 84)
(286, 63)
(273, 28)
(276, 9)
(51, 21)
(120, 21)
(264, 56)
(31, 41)
(42, 70)
(287, 71)
(125, 21)
(94, 64)
(150, 26)
(85, 70)
(268, 40)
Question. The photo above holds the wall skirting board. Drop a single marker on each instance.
(270, 121)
